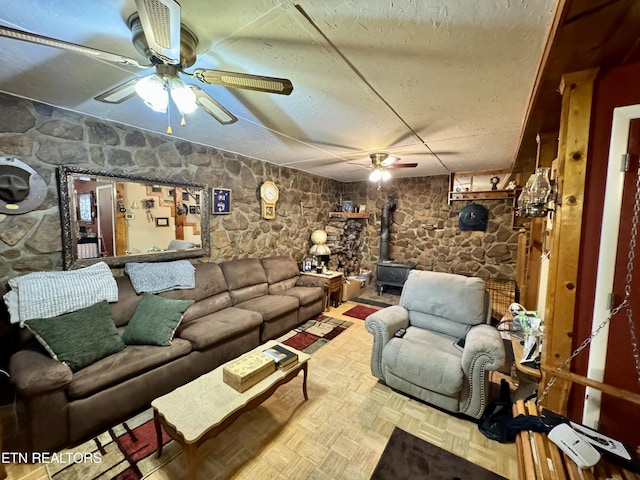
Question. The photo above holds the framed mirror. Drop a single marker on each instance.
(119, 218)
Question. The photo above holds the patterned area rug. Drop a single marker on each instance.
(360, 311)
(127, 451)
(312, 335)
(409, 457)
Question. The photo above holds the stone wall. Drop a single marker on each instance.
(45, 137)
(425, 230)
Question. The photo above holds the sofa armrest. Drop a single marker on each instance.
(34, 373)
(309, 281)
(483, 351)
(382, 325)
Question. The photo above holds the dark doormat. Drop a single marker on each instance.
(370, 302)
(409, 457)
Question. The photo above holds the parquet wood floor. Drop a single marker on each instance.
(339, 433)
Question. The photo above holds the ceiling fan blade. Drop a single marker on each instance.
(246, 81)
(160, 21)
(387, 162)
(213, 108)
(73, 47)
(119, 93)
(403, 165)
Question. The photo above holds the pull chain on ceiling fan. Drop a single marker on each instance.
(171, 47)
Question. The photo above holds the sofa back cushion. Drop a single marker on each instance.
(209, 281)
(210, 295)
(245, 278)
(444, 302)
(128, 299)
(282, 272)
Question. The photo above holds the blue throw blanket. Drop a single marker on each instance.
(161, 276)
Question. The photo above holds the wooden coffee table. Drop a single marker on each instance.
(199, 410)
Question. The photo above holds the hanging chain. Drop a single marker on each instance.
(625, 303)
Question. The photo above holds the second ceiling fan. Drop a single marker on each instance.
(170, 47)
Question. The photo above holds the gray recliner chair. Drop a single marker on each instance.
(448, 350)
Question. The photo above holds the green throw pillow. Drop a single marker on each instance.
(155, 320)
(79, 338)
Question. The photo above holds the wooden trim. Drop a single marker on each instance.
(349, 215)
(577, 93)
(620, 393)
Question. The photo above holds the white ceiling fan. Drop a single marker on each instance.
(171, 47)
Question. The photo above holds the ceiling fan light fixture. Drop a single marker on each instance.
(379, 174)
(182, 96)
(153, 91)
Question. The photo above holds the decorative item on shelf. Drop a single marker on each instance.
(494, 182)
(536, 194)
(347, 206)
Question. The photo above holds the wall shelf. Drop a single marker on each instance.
(481, 195)
(349, 215)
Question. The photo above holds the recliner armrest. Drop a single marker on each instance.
(34, 373)
(483, 351)
(382, 325)
(483, 340)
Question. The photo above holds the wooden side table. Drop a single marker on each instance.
(518, 353)
(334, 285)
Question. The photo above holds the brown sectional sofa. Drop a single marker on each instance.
(239, 304)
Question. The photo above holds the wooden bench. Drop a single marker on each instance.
(540, 459)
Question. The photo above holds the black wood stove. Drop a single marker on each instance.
(388, 272)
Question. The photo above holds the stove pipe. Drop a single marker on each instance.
(385, 220)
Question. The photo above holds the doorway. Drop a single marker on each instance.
(610, 359)
(106, 228)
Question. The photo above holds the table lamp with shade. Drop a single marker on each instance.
(320, 248)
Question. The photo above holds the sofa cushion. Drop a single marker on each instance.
(282, 285)
(206, 306)
(426, 359)
(209, 282)
(128, 363)
(79, 338)
(280, 268)
(127, 302)
(245, 278)
(155, 320)
(271, 306)
(305, 295)
(219, 326)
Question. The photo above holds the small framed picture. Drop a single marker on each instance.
(162, 221)
(221, 204)
(192, 209)
(185, 196)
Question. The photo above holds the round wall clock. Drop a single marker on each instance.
(269, 195)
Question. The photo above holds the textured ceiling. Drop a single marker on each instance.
(445, 84)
